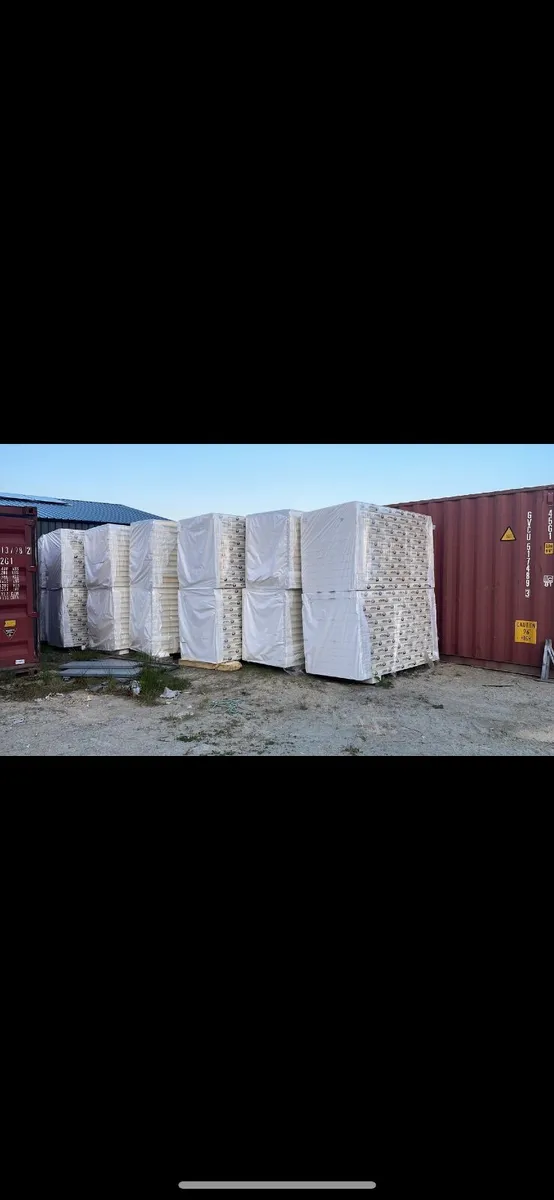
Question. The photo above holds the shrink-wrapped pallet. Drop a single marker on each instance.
(107, 556)
(211, 551)
(273, 549)
(272, 627)
(61, 559)
(66, 617)
(363, 635)
(154, 610)
(355, 546)
(210, 624)
(154, 621)
(108, 618)
(153, 554)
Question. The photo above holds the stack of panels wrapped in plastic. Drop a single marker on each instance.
(108, 618)
(211, 571)
(272, 602)
(368, 602)
(63, 599)
(210, 622)
(365, 635)
(272, 627)
(107, 579)
(154, 608)
(211, 551)
(66, 621)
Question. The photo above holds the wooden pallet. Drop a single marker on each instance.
(227, 666)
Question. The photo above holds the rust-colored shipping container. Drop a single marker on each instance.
(494, 566)
(19, 647)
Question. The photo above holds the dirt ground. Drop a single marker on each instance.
(441, 710)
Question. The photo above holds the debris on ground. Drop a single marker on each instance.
(135, 688)
(228, 706)
(302, 716)
(167, 694)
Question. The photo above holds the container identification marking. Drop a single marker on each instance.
(528, 563)
(526, 631)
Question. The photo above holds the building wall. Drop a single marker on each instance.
(46, 526)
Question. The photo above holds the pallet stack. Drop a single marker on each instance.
(211, 570)
(272, 598)
(107, 579)
(368, 598)
(63, 595)
(154, 586)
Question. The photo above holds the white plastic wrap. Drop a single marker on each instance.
(66, 617)
(365, 635)
(272, 627)
(210, 624)
(351, 547)
(41, 560)
(108, 618)
(107, 556)
(211, 551)
(61, 559)
(273, 549)
(154, 621)
(153, 554)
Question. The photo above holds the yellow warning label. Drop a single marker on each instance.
(508, 536)
(549, 547)
(10, 624)
(526, 631)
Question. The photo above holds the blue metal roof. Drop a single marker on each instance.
(50, 508)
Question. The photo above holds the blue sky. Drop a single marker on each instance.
(181, 480)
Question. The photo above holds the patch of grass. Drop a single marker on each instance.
(152, 683)
(386, 681)
(352, 750)
(35, 687)
(437, 706)
(190, 737)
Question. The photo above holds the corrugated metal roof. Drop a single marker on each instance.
(81, 510)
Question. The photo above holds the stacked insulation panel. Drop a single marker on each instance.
(63, 596)
(272, 599)
(107, 579)
(211, 570)
(154, 586)
(368, 603)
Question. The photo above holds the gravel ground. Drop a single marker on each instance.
(443, 710)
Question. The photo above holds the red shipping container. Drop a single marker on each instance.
(19, 647)
(494, 566)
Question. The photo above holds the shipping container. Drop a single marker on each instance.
(19, 645)
(494, 569)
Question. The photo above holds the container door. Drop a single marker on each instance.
(18, 615)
